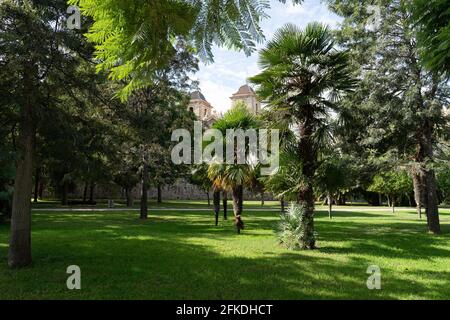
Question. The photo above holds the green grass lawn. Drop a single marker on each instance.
(181, 255)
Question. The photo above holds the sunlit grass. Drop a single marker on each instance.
(182, 255)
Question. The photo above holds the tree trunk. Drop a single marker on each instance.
(91, 192)
(330, 206)
(344, 199)
(428, 181)
(237, 194)
(41, 189)
(418, 194)
(241, 199)
(85, 190)
(393, 204)
(65, 193)
(20, 240)
(129, 196)
(225, 205)
(144, 199)
(159, 194)
(283, 209)
(424, 152)
(432, 210)
(262, 199)
(306, 199)
(306, 195)
(36, 185)
(216, 201)
(207, 197)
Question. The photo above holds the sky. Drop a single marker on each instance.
(219, 80)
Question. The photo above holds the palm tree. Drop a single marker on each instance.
(233, 177)
(303, 77)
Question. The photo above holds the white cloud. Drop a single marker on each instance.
(217, 94)
(292, 9)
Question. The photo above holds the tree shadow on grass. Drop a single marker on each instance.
(387, 238)
(351, 214)
(156, 268)
(391, 239)
(124, 258)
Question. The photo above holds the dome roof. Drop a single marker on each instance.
(245, 89)
(197, 95)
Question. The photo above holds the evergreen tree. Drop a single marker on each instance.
(433, 23)
(39, 59)
(398, 107)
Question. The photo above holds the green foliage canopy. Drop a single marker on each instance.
(229, 176)
(136, 37)
(433, 22)
(394, 184)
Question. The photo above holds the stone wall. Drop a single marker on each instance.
(181, 190)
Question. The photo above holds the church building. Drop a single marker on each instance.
(247, 95)
(204, 111)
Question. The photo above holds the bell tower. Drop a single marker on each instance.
(247, 95)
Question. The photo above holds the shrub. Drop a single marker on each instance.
(443, 182)
(291, 228)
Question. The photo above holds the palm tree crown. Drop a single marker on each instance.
(302, 69)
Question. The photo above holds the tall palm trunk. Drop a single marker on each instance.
(306, 195)
(225, 205)
(216, 201)
(237, 194)
(20, 240)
